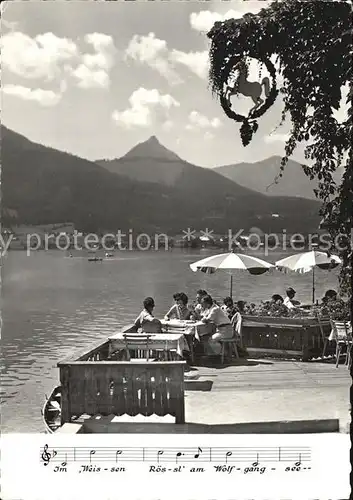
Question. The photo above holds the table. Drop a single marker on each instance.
(191, 330)
(157, 341)
(195, 328)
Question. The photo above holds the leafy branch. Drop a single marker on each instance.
(312, 42)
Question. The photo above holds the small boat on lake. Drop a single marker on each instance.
(93, 257)
(51, 411)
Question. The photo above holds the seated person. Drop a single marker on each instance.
(180, 309)
(215, 315)
(277, 299)
(146, 321)
(197, 308)
(241, 306)
(229, 307)
(289, 301)
(330, 295)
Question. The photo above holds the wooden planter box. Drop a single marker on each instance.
(303, 338)
(94, 385)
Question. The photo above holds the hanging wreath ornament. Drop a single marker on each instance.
(250, 89)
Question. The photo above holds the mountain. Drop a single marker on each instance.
(153, 149)
(44, 185)
(260, 177)
(149, 161)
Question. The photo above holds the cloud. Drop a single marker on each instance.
(98, 60)
(199, 121)
(100, 41)
(39, 57)
(205, 19)
(45, 98)
(105, 51)
(88, 78)
(146, 108)
(197, 62)
(276, 138)
(153, 52)
(94, 69)
(47, 56)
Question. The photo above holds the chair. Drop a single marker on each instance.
(231, 343)
(237, 323)
(325, 340)
(342, 334)
(138, 342)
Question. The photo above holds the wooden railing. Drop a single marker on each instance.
(301, 337)
(118, 388)
(97, 352)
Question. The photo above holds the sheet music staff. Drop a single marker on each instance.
(175, 455)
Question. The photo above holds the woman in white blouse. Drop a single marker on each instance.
(180, 309)
(214, 314)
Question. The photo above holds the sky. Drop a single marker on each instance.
(94, 79)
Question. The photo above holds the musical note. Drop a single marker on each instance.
(179, 454)
(119, 452)
(199, 450)
(160, 452)
(92, 452)
(228, 454)
(46, 455)
(299, 462)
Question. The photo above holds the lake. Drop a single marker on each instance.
(53, 304)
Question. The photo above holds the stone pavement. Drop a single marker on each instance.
(269, 390)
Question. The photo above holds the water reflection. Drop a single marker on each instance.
(52, 305)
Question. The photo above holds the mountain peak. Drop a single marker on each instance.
(153, 149)
(153, 139)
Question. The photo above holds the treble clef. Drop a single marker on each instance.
(46, 455)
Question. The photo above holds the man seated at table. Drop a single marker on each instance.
(146, 321)
(229, 308)
(214, 314)
(240, 305)
(330, 296)
(289, 301)
(197, 308)
(180, 309)
(277, 299)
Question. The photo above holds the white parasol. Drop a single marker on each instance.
(231, 261)
(308, 261)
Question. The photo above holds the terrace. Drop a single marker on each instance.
(241, 396)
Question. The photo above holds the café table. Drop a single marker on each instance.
(156, 341)
(191, 329)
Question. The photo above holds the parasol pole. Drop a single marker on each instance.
(313, 297)
(231, 285)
